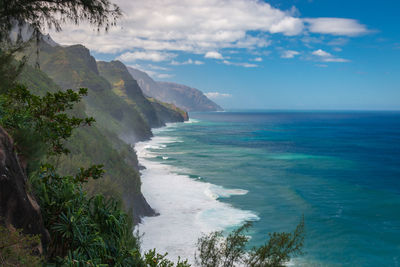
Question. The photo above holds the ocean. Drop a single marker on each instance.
(341, 170)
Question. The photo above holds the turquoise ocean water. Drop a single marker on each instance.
(341, 170)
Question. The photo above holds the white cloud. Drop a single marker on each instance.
(217, 95)
(147, 66)
(289, 54)
(213, 54)
(327, 57)
(336, 26)
(186, 25)
(258, 59)
(200, 27)
(240, 64)
(146, 55)
(321, 53)
(187, 62)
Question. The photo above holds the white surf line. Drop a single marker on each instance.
(188, 208)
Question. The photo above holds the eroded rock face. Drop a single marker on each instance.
(18, 207)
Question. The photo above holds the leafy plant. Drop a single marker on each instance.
(18, 249)
(41, 13)
(154, 259)
(215, 250)
(40, 125)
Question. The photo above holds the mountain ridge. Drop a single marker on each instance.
(185, 97)
(120, 120)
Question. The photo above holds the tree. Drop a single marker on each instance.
(53, 13)
(40, 125)
(215, 250)
(39, 14)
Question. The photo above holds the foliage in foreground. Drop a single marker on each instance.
(214, 250)
(17, 249)
(85, 231)
(94, 231)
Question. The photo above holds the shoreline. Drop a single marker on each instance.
(188, 208)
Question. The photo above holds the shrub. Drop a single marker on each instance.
(215, 250)
(17, 249)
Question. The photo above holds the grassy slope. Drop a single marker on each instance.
(74, 67)
(173, 112)
(122, 112)
(127, 88)
(96, 145)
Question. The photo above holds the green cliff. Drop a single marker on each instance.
(123, 116)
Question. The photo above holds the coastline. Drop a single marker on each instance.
(187, 207)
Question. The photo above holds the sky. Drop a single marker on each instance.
(253, 54)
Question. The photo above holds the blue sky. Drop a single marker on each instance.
(293, 54)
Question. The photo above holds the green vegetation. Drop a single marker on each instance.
(41, 13)
(169, 106)
(90, 145)
(85, 231)
(214, 250)
(17, 249)
(74, 67)
(64, 157)
(39, 125)
(127, 88)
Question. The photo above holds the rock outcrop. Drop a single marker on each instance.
(18, 207)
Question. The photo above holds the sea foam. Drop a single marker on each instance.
(188, 208)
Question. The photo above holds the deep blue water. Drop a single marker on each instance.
(341, 170)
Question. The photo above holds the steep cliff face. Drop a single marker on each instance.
(127, 88)
(121, 112)
(182, 96)
(96, 145)
(74, 67)
(188, 98)
(168, 112)
(147, 84)
(18, 207)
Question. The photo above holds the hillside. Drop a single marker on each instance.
(123, 116)
(128, 89)
(74, 67)
(92, 145)
(185, 97)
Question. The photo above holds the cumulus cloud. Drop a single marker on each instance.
(213, 54)
(258, 59)
(217, 95)
(187, 62)
(146, 55)
(157, 29)
(336, 26)
(187, 25)
(321, 53)
(289, 54)
(327, 57)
